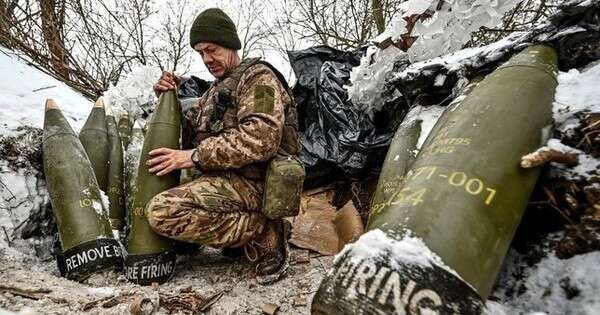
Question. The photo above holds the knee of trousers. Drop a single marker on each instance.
(157, 211)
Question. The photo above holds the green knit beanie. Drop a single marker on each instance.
(214, 26)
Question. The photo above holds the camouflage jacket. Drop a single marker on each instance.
(247, 131)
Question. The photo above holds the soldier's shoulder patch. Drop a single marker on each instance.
(264, 99)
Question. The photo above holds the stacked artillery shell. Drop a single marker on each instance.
(463, 196)
(83, 226)
(125, 128)
(399, 158)
(115, 175)
(132, 162)
(94, 138)
(150, 256)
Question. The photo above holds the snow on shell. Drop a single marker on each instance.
(408, 249)
(428, 116)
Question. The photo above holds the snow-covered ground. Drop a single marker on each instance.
(577, 92)
(552, 286)
(24, 90)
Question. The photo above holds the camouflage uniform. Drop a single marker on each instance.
(221, 208)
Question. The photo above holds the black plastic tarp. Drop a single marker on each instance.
(190, 90)
(333, 131)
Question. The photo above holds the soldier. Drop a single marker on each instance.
(245, 119)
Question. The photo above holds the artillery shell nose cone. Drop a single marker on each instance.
(51, 104)
(99, 103)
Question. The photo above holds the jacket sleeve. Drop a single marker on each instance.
(261, 116)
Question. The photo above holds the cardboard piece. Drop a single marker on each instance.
(319, 227)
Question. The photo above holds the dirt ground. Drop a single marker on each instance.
(207, 272)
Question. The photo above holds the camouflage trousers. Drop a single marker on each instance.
(218, 209)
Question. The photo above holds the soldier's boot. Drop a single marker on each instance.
(269, 252)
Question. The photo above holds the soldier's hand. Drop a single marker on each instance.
(167, 82)
(165, 160)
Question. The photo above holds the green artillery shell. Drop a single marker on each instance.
(132, 161)
(115, 175)
(150, 256)
(399, 158)
(463, 197)
(94, 139)
(83, 225)
(403, 151)
(124, 128)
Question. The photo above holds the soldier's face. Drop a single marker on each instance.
(218, 60)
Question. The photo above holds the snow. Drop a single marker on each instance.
(577, 92)
(105, 202)
(428, 116)
(415, 6)
(588, 166)
(426, 52)
(133, 90)
(568, 31)
(23, 93)
(552, 286)
(407, 249)
(18, 192)
(556, 145)
(451, 27)
(465, 57)
(369, 78)
(100, 206)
